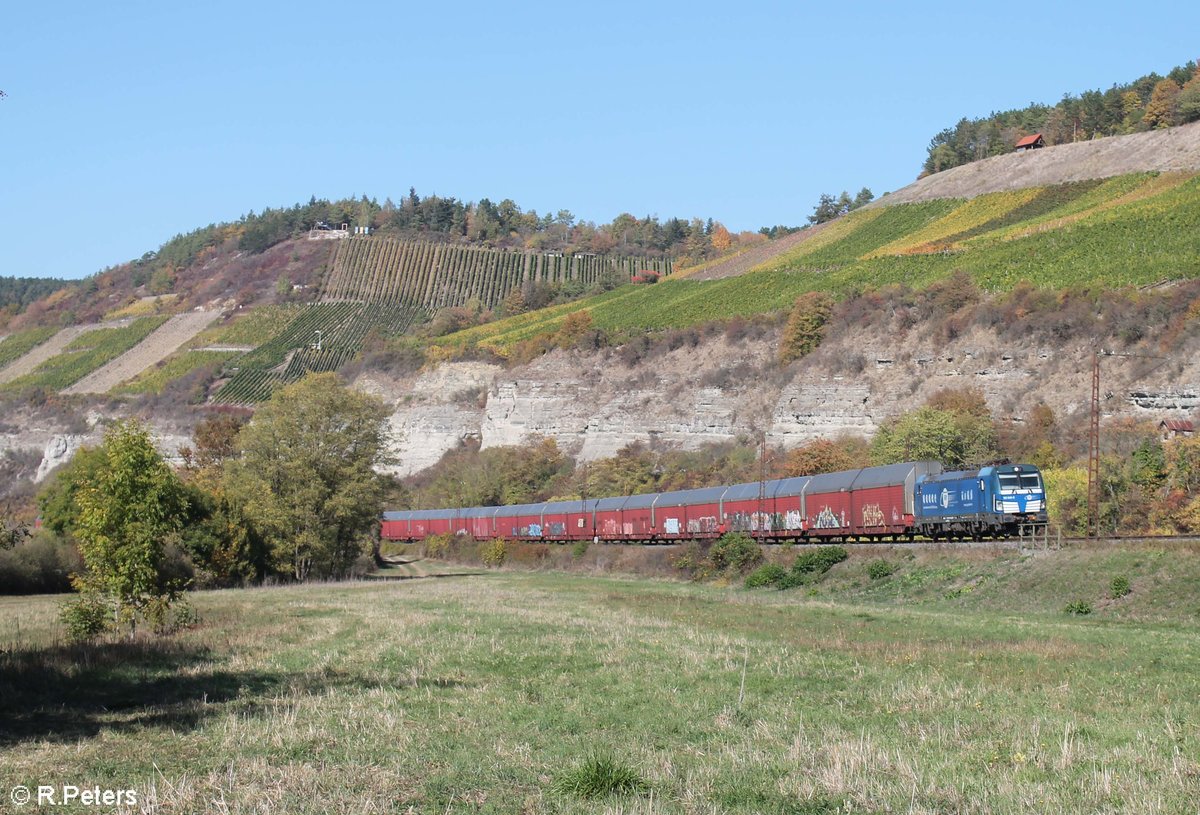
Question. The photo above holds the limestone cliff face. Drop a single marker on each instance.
(53, 441)
(593, 405)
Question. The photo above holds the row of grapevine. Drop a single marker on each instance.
(86, 353)
(15, 346)
(437, 275)
(1124, 232)
(321, 337)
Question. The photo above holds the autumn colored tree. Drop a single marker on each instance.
(1183, 465)
(1067, 498)
(967, 401)
(1162, 110)
(720, 238)
(576, 324)
(805, 327)
(214, 441)
(820, 456)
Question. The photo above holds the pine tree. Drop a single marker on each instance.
(1189, 100)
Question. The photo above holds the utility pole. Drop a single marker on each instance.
(762, 483)
(1094, 451)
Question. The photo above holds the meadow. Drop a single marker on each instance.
(504, 691)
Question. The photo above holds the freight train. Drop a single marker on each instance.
(893, 502)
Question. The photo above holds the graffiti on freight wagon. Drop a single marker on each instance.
(827, 519)
(872, 515)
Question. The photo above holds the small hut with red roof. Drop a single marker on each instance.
(1031, 143)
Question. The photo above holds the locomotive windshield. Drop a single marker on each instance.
(1020, 481)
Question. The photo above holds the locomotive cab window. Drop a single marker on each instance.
(1020, 481)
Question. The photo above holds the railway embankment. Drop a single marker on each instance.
(1142, 580)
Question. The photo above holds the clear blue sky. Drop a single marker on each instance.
(127, 123)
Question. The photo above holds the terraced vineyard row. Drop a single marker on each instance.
(15, 346)
(85, 354)
(439, 275)
(322, 337)
(1127, 231)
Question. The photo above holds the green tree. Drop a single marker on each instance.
(307, 475)
(825, 210)
(128, 506)
(956, 439)
(1183, 465)
(1189, 100)
(864, 197)
(1067, 499)
(58, 501)
(1148, 466)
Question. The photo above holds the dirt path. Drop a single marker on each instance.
(756, 256)
(161, 343)
(50, 348)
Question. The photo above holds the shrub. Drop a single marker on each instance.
(579, 549)
(692, 562)
(809, 566)
(494, 552)
(735, 552)
(1120, 586)
(1078, 607)
(767, 574)
(879, 569)
(168, 614)
(362, 566)
(600, 775)
(38, 565)
(86, 616)
(437, 546)
(820, 560)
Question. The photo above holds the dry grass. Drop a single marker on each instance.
(481, 693)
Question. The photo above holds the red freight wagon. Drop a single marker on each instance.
(637, 517)
(688, 514)
(871, 502)
(608, 518)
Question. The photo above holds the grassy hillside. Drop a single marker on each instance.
(1127, 231)
(511, 692)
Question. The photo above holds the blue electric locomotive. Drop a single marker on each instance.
(999, 501)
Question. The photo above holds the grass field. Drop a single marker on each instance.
(516, 692)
